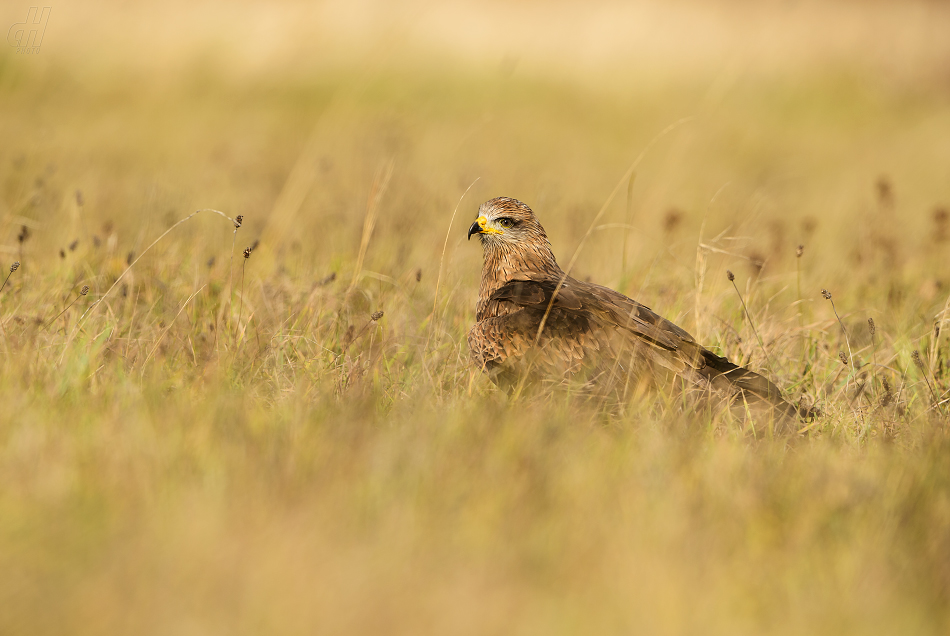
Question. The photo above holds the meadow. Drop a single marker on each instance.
(272, 425)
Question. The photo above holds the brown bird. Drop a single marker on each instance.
(534, 322)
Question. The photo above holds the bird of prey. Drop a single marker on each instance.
(535, 322)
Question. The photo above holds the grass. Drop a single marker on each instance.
(170, 463)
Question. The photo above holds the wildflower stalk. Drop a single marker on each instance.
(732, 279)
(13, 268)
(827, 296)
(82, 293)
(247, 255)
(238, 221)
(920, 365)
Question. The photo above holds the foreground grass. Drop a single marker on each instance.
(162, 512)
(231, 445)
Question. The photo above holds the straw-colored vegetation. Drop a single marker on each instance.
(200, 439)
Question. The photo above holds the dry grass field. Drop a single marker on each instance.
(205, 443)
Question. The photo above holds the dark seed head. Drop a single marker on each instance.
(672, 220)
(843, 358)
(84, 290)
(800, 251)
(238, 220)
(418, 274)
(940, 217)
(885, 192)
(730, 275)
(15, 266)
(247, 252)
(376, 316)
(871, 326)
(826, 294)
(756, 262)
(888, 397)
(348, 336)
(916, 357)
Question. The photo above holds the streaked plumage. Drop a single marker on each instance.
(592, 335)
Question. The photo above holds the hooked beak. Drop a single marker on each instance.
(474, 229)
(480, 226)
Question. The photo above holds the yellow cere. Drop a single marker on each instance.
(486, 229)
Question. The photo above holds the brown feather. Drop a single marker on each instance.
(590, 333)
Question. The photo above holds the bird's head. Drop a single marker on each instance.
(507, 224)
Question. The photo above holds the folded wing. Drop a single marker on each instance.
(603, 335)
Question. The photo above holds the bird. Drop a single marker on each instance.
(534, 322)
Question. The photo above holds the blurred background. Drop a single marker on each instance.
(211, 444)
(785, 113)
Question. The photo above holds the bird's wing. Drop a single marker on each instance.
(628, 315)
(580, 332)
(592, 326)
(600, 306)
(504, 341)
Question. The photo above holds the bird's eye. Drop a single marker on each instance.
(505, 222)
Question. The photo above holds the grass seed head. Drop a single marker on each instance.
(672, 220)
(348, 337)
(885, 191)
(799, 251)
(238, 221)
(871, 326)
(84, 290)
(247, 252)
(376, 316)
(888, 396)
(917, 360)
(756, 262)
(941, 225)
(730, 275)
(15, 266)
(826, 294)
(809, 225)
(843, 358)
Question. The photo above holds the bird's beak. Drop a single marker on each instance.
(475, 228)
(480, 226)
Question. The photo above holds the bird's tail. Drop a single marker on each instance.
(750, 385)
